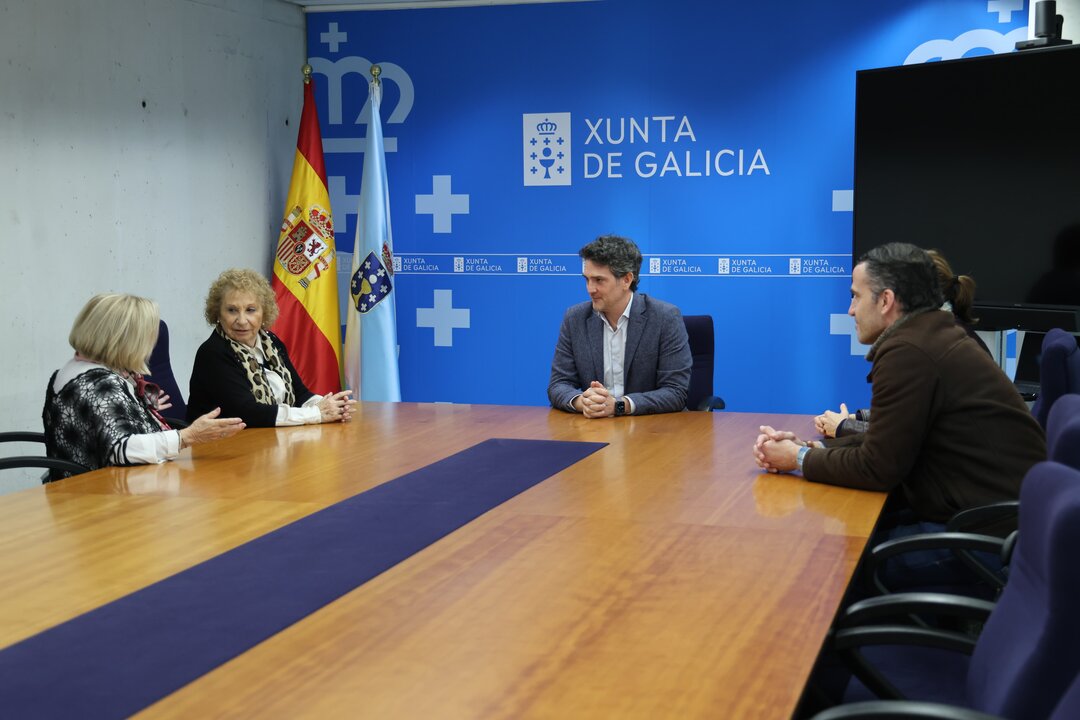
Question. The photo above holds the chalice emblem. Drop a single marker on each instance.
(546, 161)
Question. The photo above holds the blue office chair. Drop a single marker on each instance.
(161, 374)
(700, 396)
(1062, 446)
(1029, 650)
(1067, 709)
(1059, 371)
(1063, 431)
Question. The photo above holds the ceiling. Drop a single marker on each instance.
(335, 5)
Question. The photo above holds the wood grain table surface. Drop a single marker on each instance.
(661, 577)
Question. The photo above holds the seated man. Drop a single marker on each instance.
(959, 293)
(621, 353)
(949, 430)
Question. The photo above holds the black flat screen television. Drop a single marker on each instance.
(980, 159)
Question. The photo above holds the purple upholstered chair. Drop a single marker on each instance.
(161, 373)
(1059, 372)
(1067, 709)
(1028, 653)
(699, 396)
(1063, 431)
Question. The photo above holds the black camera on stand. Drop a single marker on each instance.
(1047, 27)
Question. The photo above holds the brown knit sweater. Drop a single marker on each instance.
(949, 428)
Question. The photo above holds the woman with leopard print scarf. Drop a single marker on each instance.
(244, 369)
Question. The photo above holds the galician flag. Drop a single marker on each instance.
(371, 363)
(305, 265)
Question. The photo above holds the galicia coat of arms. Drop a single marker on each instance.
(546, 148)
(372, 281)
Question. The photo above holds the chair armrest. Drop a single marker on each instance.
(35, 461)
(1008, 546)
(853, 634)
(1004, 514)
(891, 606)
(849, 643)
(983, 515)
(955, 541)
(901, 710)
(858, 637)
(177, 423)
(711, 403)
(22, 436)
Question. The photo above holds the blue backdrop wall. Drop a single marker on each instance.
(718, 136)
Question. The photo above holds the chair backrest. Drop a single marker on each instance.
(1059, 372)
(1028, 652)
(699, 328)
(1063, 431)
(161, 373)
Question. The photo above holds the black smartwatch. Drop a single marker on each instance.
(620, 407)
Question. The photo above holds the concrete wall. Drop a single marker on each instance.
(145, 145)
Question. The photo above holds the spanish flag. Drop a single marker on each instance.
(305, 265)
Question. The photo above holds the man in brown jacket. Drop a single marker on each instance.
(950, 430)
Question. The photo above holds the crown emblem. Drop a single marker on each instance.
(388, 258)
(321, 221)
(546, 127)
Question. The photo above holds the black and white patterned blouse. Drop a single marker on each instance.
(95, 419)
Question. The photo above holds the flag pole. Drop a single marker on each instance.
(305, 265)
(371, 349)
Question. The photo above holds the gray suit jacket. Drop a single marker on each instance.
(657, 362)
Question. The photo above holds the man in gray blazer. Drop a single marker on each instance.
(621, 353)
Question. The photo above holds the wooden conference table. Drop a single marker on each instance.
(662, 576)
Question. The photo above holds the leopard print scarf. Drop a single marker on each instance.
(260, 388)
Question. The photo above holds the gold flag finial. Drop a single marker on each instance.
(307, 73)
(376, 71)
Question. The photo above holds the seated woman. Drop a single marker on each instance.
(98, 409)
(245, 369)
(959, 292)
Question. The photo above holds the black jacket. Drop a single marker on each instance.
(218, 379)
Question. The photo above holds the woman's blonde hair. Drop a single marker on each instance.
(244, 280)
(116, 330)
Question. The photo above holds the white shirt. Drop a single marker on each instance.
(615, 350)
(306, 414)
(615, 356)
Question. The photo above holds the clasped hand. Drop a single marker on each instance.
(775, 450)
(337, 407)
(597, 401)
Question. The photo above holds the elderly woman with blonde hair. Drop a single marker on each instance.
(245, 368)
(98, 409)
